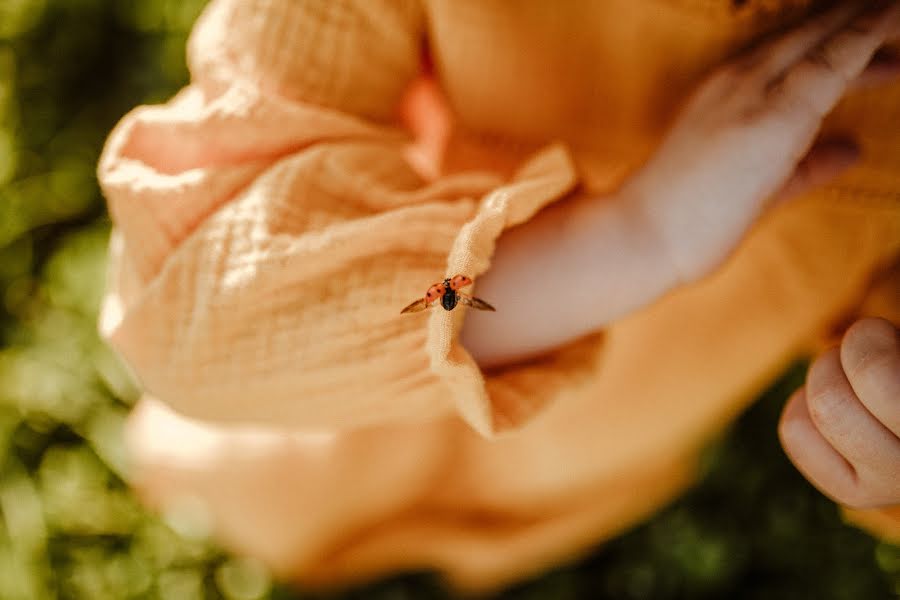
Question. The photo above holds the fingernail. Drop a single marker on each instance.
(868, 338)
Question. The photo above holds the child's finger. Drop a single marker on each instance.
(813, 455)
(870, 356)
(815, 84)
(849, 427)
(839, 415)
(772, 59)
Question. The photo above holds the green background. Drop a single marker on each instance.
(70, 528)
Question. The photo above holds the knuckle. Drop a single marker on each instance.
(844, 49)
(823, 57)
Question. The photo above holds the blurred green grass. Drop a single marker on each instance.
(70, 528)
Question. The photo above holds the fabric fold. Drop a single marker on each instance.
(270, 233)
(490, 409)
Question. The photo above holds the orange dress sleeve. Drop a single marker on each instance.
(269, 228)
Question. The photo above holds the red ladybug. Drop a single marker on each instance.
(448, 292)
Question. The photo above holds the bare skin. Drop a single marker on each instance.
(747, 134)
(841, 429)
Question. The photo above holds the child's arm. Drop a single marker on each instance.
(737, 142)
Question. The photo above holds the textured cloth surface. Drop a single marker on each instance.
(272, 219)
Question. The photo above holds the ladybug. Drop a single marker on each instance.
(448, 292)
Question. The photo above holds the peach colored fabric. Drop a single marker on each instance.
(270, 222)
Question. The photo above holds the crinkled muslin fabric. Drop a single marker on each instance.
(273, 217)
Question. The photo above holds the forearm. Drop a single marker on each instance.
(569, 271)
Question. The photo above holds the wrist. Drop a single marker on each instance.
(630, 261)
(688, 242)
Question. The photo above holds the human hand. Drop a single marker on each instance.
(744, 133)
(841, 429)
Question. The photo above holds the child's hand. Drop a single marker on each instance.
(841, 429)
(740, 137)
(741, 141)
